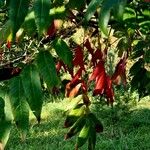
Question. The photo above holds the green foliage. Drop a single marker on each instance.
(72, 4)
(32, 89)
(4, 131)
(105, 13)
(47, 68)
(128, 23)
(5, 31)
(94, 4)
(17, 14)
(19, 106)
(41, 10)
(63, 51)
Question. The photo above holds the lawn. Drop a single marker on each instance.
(125, 128)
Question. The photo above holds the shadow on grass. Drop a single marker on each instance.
(48, 135)
(123, 130)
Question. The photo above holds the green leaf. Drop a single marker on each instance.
(105, 11)
(19, 106)
(136, 67)
(41, 11)
(63, 51)
(119, 9)
(74, 114)
(5, 127)
(2, 105)
(5, 31)
(96, 122)
(84, 134)
(92, 139)
(32, 88)
(94, 4)
(47, 68)
(147, 56)
(17, 13)
(29, 25)
(73, 4)
(76, 127)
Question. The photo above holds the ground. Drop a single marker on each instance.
(125, 128)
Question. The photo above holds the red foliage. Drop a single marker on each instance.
(97, 70)
(109, 90)
(88, 46)
(8, 45)
(103, 83)
(60, 65)
(120, 72)
(51, 30)
(78, 58)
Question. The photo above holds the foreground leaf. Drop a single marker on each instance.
(19, 106)
(94, 4)
(5, 127)
(47, 68)
(17, 13)
(105, 11)
(63, 51)
(32, 89)
(84, 134)
(41, 10)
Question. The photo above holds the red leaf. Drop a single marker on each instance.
(100, 84)
(109, 90)
(88, 46)
(76, 78)
(98, 55)
(51, 30)
(97, 70)
(120, 72)
(78, 58)
(84, 87)
(8, 45)
(60, 65)
(72, 91)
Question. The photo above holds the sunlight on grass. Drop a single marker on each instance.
(123, 130)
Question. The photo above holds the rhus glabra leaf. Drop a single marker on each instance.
(74, 114)
(87, 44)
(92, 139)
(99, 76)
(97, 70)
(5, 125)
(83, 135)
(41, 11)
(104, 15)
(5, 31)
(63, 51)
(109, 90)
(17, 13)
(78, 57)
(92, 7)
(19, 106)
(32, 88)
(120, 72)
(47, 68)
(72, 91)
(118, 9)
(96, 122)
(5, 128)
(76, 127)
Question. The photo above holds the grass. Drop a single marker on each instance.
(126, 129)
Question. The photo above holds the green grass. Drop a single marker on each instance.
(124, 129)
